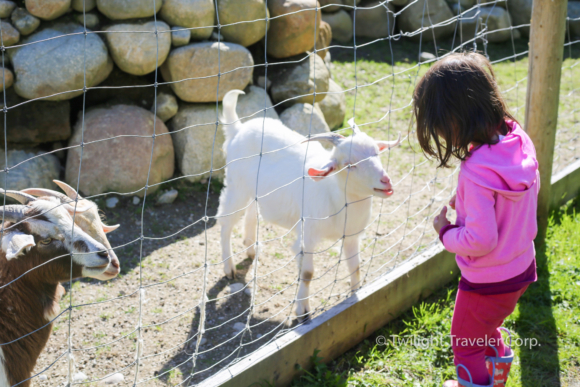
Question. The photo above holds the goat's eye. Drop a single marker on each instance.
(46, 241)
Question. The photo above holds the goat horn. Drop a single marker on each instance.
(12, 213)
(45, 192)
(70, 191)
(333, 138)
(354, 126)
(391, 144)
(21, 197)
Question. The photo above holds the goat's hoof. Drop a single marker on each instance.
(231, 274)
(303, 316)
(304, 319)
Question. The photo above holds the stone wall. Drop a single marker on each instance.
(126, 123)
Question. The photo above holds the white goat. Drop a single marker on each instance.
(334, 201)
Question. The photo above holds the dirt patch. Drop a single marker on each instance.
(165, 287)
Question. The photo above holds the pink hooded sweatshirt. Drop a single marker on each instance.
(496, 206)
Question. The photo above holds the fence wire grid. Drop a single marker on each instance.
(171, 317)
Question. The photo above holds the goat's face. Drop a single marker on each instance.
(366, 172)
(87, 217)
(42, 236)
(90, 222)
(358, 156)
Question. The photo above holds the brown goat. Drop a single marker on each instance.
(38, 241)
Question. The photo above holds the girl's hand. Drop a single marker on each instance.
(440, 220)
(452, 201)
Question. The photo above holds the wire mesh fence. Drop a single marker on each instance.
(567, 135)
(171, 317)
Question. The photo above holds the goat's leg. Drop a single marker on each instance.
(306, 272)
(251, 222)
(226, 236)
(350, 254)
(230, 212)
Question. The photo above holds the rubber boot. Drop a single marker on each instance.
(464, 383)
(499, 367)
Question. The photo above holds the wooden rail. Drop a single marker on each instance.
(565, 185)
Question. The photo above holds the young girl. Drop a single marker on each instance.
(461, 114)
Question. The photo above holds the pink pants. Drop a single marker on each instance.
(474, 327)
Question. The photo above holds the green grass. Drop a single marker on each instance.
(548, 312)
(386, 82)
(130, 310)
(174, 376)
(104, 316)
(380, 87)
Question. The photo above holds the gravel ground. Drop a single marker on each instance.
(171, 273)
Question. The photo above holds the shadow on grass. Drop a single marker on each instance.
(413, 347)
(540, 366)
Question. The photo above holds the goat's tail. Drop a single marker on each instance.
(230, 120)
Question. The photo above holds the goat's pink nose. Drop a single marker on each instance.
(386, 180)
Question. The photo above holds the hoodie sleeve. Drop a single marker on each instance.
(479, 235)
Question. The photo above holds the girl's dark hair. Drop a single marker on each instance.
(458, 101)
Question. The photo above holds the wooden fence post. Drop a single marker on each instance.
(545, 67)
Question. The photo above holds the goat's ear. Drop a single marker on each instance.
(318, 174)
(388, 144)
(108, 229)
(16, 243)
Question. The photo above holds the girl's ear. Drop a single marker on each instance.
(318, 174)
